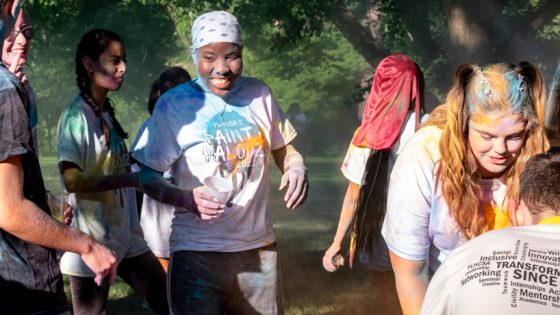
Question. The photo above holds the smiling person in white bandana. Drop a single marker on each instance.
(224, 256)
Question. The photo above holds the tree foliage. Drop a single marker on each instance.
(149, 39)
(440, 34)
(318, 53)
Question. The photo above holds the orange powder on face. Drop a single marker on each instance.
(485, 120)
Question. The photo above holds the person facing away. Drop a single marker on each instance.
(30, 279)
(513, 270)
(155, 216)
(391, 115)
(222, 124)
(459, 174)
(95, 170)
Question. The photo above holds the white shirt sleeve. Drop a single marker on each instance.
(406, 224)
(158, 147)
(72, 136)
(282, 131)
(354, 164)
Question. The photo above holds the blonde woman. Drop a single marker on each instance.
(457, 177)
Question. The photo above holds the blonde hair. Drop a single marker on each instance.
(497, 87)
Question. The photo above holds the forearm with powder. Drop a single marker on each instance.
(154, 185)
(293, 160)
(347, 212)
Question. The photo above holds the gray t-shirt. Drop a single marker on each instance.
(30, 280)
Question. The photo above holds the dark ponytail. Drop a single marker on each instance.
(371, 208)
(92, 45)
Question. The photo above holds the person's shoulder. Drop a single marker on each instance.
(77, 109)
(182, 92)
(424, 141)
(490, 238)
(186, 97)
(8, 81)
(250, 83)
(429, 132)
(77, 104)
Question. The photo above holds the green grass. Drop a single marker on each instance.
(303, 236)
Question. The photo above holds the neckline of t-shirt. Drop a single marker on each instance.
(199, 86)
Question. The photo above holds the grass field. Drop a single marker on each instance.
(303, 235)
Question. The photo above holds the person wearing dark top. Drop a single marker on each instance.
(30, 279)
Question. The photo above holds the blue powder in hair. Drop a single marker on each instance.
(517, 91)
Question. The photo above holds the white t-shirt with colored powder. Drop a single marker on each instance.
(418, 223)
(156, 217)
(198, 134)
(509, 271)
(109, 217)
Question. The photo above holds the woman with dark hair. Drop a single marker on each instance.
(93, 162)
(392, 112)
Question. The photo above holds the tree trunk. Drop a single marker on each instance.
(365, 36)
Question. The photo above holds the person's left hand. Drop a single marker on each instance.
(295, 179)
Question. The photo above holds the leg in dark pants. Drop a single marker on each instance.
(87, 297)
(146, 276)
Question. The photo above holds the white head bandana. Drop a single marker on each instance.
(215, 27)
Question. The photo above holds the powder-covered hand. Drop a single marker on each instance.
(295, 180)
(332, 260)
(209, 207)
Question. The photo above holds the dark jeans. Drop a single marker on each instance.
(143, 273)
(243, 283)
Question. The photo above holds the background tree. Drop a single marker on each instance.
(150, 42)
(440, 34)
(319, 53)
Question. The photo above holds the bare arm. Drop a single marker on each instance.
(412, 279)
(155, 186)
(346, 217)
(78, 181)
(291, 163)
(22, 218)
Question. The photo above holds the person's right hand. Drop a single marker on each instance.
(209, 207)
(328, 264)
(68, 214)
(102, 261)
